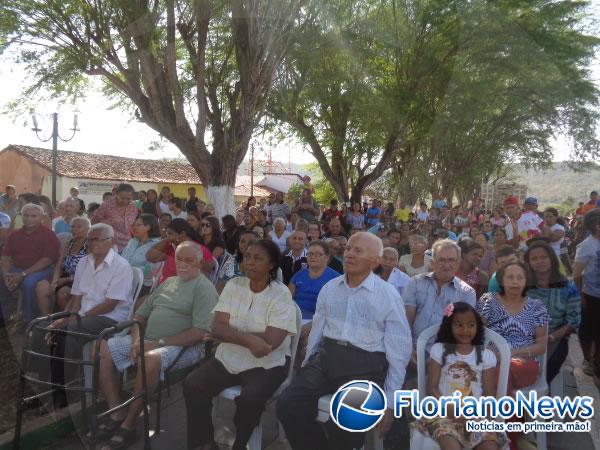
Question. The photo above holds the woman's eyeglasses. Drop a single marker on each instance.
(205, 225)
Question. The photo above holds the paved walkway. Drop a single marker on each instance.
(173, 419)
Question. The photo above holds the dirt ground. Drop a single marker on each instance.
(9, 378)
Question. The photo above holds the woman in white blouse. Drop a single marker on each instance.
(253, 321)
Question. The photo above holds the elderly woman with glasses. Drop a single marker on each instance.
(64, 271)
(306, 284)
(146, 234)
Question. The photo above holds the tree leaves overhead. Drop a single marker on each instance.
(184, 65)
(463, 87)
(446, 91)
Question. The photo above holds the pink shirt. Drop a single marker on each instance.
(121, 218)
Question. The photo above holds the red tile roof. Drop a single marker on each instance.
(108, 167)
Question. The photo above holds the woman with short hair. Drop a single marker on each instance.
(146, 234)
(389, 271)
(64, 271)
(306, 284)
(253, 321)
(518, 318)
(278, 234)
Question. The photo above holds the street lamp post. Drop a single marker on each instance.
(55, 137)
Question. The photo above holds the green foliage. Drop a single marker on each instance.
(460, 90)
(324, 191)
(294, 193)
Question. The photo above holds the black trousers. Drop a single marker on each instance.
(325, 372)
(65, 347)
(556, 357)
(208, 380)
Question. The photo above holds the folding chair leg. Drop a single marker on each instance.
(17, 435)
(158, 407)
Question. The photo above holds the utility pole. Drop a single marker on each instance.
(252, 170)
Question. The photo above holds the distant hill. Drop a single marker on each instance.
(554, 185)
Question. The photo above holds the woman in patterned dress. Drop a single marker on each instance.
(64, 270)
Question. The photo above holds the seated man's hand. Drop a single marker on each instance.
(413, 359)
(258, 347)
(12, 280)
(134, 353)
(56, 325)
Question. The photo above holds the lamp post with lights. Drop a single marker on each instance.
(55, 136)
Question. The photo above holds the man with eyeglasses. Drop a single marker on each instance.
(426, 295)
(177, 317)
(100, 296)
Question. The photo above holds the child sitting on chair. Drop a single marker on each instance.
(459, 362)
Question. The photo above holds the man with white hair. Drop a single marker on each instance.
(28, 257)
(100, 296)
(359, 332)
(427, 294)
(176, 315)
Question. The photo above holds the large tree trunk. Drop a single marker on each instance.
(221, 197)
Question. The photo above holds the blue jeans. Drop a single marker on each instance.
(28, 296)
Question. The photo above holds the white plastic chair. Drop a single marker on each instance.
(138, 282)
(255, 442)
(215, 272)
(419, 441)
(156, 276)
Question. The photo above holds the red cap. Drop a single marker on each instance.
(511, 201)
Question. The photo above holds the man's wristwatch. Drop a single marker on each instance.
(161, 342)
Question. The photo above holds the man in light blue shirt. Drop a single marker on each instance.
(427, 294)
(359, 332)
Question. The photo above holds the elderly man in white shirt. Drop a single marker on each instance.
(359, 332)
(100, 296)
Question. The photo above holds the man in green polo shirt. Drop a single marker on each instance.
(176, 316)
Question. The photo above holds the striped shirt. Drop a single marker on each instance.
(519, 330)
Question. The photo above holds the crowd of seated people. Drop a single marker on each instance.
(368, 282)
